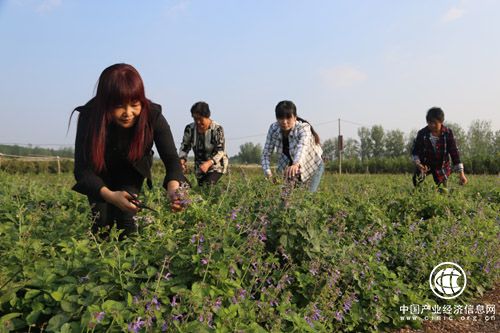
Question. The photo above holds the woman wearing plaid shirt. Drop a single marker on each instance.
(432, 150)
(298, 145)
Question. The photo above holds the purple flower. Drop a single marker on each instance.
(273, 303)
(339, 316)
(375, 298)
(99, 316)
(177, 317)
(231, 270)
(154, 302)
(199, 249)
(242, 293)
(347, 305)
(201, 239)
(135, 326)
(217, 304)
(164, 327)
(174, 301)
(316, 315)
(193, 239)
(167, 276)
(204, 261)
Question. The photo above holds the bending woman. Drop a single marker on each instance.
(298, 146)
(115, 135)
(206, 138)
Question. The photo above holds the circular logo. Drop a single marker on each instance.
(447, 280)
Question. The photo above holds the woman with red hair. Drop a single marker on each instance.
(113, 148)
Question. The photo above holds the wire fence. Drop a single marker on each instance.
(34, 158)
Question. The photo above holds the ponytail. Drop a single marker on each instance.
(316, 136)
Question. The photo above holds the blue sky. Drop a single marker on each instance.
(369, 62)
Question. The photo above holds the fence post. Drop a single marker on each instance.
(58, 165)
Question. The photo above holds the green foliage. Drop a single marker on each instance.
(246, 255)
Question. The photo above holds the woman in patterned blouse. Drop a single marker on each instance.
(298, 145)
(206, 138)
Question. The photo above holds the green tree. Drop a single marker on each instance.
(330, 149)
(395, 143)
(365, 142)
(459, 135)
(377, 136)
(481, 139)
(351, 149)
(410, 140)
(250, 153)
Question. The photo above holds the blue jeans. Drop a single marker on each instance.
(316, 178)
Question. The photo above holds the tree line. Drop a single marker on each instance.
(379, 150)
(35, 151)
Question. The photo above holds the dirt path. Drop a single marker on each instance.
(466, 326)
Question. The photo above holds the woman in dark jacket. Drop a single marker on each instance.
(113, 156)
(432, 149)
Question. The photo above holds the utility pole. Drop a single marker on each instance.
(340, 148)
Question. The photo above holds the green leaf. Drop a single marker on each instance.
(69, 307)
(56, 322)
(32, 318)
(57, 295)
(111, 306)
(9, 316)
(31, 293)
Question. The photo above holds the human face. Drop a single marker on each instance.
(202, 123)
(286, 124)
(126, 115)
(435, 126)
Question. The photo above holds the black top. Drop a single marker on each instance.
(286, 147)
(119, 170)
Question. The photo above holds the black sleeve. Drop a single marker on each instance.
(87, 181)
(418, 146)
(165, 145)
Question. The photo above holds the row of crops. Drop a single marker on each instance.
(246, 256)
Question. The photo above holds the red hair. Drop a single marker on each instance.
(118, 84)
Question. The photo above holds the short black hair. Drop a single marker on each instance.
(285, 109)
(201, 109)
(435, 113)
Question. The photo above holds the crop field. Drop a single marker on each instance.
(245, 256)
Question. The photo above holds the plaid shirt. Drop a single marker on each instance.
(303, 150)
(437, 157)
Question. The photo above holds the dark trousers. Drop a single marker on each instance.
(210, 178)
(105, 215)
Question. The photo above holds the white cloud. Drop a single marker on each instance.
(48, 5)
(454, 13)
(178, 8)
(343, 76)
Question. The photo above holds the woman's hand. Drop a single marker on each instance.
(183, 165)
(120, 199)
(176, 202)
(463, 180)
(292, 171)
(205, 166)
(423, 168)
